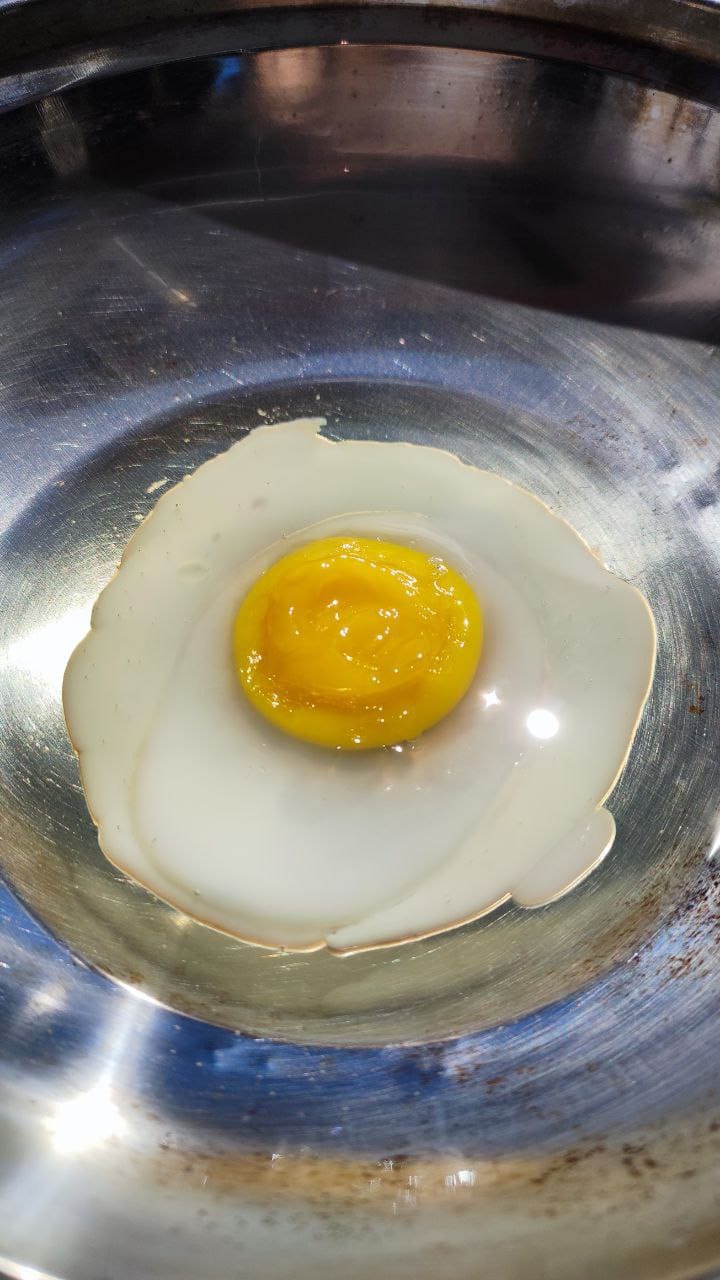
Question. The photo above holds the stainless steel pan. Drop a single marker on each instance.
(493, 228)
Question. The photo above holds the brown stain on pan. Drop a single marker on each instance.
(604, 1171)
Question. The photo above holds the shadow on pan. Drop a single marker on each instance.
(545, 183)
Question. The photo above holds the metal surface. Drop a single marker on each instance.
(513, 258)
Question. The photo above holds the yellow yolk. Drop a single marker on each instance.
(356, 643)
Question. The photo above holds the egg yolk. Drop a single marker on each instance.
(356, 643)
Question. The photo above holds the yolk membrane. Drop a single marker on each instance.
(355, 643)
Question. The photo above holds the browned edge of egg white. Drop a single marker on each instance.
(322, 944)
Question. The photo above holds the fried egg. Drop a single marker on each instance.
(346, 694)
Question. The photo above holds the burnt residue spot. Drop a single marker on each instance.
(567, 1160)
(624, 935)
(636, 1160)
(679, 965)
(469, 1071)
(697, 698)
(423, 1065)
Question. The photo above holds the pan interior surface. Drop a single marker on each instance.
(507, 257)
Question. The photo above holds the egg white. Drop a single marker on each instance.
(291, 846)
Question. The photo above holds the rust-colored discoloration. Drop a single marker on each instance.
(335, 1181)
(665, 901)
(697, 706)
(402, 1181)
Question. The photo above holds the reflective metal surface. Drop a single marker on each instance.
(511, 257)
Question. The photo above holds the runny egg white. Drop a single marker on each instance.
(228, 814)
